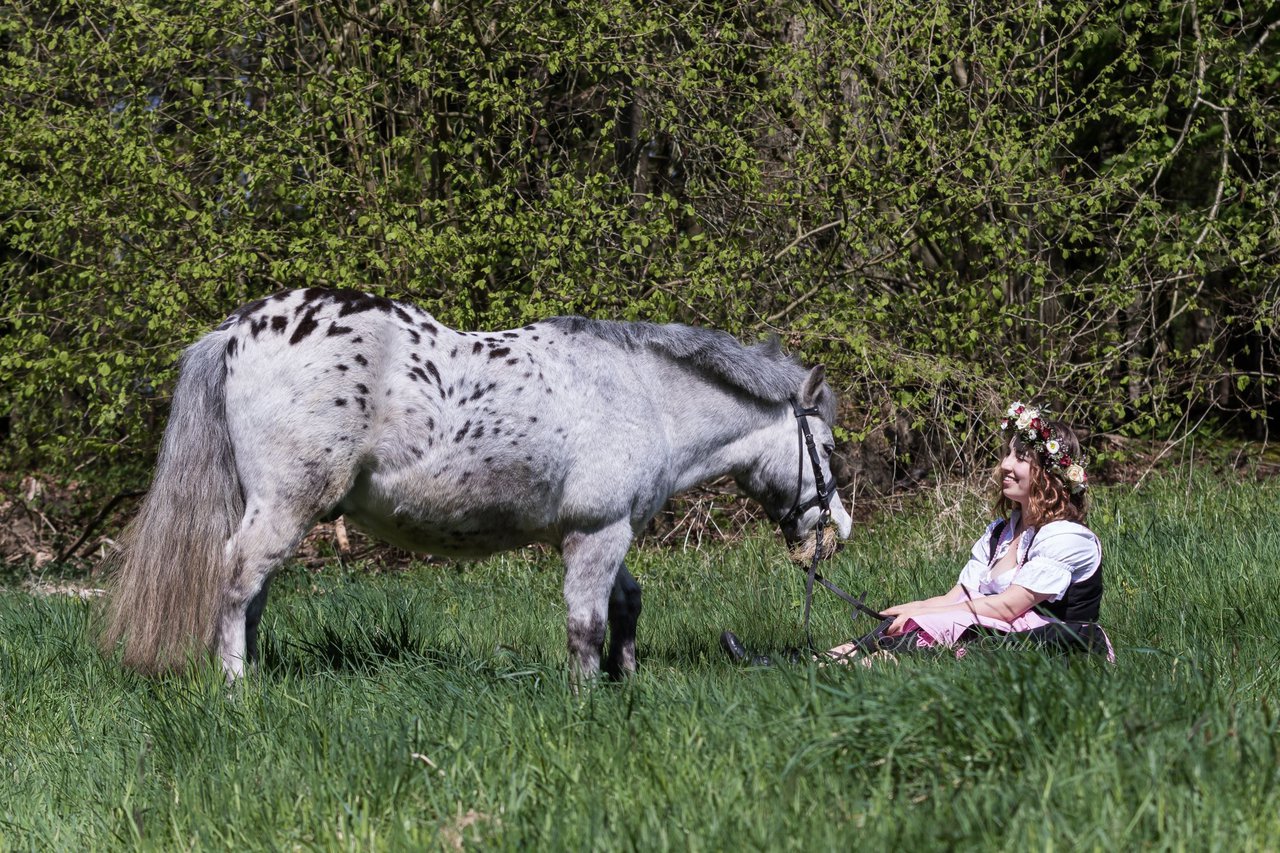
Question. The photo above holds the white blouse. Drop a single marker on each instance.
(1059, 554)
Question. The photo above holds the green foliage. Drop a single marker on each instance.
(402, 710)
(949, 204)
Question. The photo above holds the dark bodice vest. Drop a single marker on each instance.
(1081, 601)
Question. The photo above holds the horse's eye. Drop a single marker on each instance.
(828, 449)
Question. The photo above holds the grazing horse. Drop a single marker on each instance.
(574, 432)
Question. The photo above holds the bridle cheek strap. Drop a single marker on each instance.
(821, 499)
(823, 494)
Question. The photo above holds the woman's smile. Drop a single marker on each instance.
(1016, 476)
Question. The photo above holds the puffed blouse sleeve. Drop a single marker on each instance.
(1062, 553)
(979, 558)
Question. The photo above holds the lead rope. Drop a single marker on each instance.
(858, 603)
(813, 574)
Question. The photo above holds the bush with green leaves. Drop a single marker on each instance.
(950, 204)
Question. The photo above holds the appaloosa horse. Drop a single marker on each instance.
(314, 403)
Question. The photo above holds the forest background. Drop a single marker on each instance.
(949, 204)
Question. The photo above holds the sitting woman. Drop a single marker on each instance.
(1035, 575)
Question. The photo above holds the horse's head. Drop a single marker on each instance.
(796, 457)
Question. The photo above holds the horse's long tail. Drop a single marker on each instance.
(167, 590)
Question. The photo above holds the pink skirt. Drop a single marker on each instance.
(947, 627)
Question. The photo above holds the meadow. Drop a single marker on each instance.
(430, 708)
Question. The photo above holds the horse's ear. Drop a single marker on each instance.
(811, 390)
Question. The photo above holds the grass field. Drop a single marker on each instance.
(430, 709)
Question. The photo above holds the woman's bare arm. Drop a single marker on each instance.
(947, 597)
(1006, 606)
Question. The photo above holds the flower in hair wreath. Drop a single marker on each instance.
(1031, 425)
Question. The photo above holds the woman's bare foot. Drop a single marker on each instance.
(847, 650)
(850, 653)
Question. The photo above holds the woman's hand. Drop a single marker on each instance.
(902, 613)
(898, 626)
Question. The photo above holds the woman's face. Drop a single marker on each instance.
(1015, 475)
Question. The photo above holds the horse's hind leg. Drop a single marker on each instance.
(252, 618)
(592, 561)
(267, 537)
(624, 612)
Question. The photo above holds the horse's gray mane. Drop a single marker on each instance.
(761, 370)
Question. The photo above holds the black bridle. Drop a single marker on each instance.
(821, 500)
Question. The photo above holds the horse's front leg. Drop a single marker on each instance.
(592, 561)
(624, 612)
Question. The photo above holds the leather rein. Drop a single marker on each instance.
(821, 500)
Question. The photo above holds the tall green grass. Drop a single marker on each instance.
(431, 709)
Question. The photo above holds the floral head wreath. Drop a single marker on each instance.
(1030, 425)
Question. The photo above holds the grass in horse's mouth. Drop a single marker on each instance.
(802, 552)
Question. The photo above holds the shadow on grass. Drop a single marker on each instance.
(357, 649)
(398, 643)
